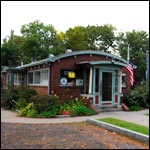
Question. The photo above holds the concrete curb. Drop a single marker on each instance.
(136, 135)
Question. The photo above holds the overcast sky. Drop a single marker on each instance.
(124, 15)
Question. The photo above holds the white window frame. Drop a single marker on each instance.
(42, 82)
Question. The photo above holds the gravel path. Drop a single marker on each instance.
(63, 136)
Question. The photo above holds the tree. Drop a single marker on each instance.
(11, 50)
(139, 43)
(76, 39)
(39, 41)
(100, 37)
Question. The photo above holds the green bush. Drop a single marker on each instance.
(44, 103)
(13, 96)
(138, 96)
(49, 114)
(32, 113)
(83, 110)
(24, 111)
(76, 108)
(134, 108)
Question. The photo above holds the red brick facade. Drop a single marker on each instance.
(69, 62)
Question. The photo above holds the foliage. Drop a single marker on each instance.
(20, 103)
(32, 113)
(76, 38)
(17, 97)
(127, 125)
(139, 45)
(100, 37)
(37, 41)
(134, 108)
(44, 103)
(76, 108)
(27, 110)
(49, 113)
(11, 50)
(83, 110)
(138, 96)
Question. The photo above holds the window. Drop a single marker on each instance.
(124, 80)
(16, 79)
(39, 77)
(97, 80)
(30, 77)
(44, 76)
(70, 78)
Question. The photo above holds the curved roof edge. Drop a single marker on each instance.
(84, 52)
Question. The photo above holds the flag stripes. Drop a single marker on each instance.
(131, 70)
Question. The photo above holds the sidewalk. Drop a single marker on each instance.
(137, 117)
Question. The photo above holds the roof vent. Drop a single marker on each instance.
(51, 55)
(68, 51)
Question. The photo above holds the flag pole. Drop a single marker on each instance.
(128, 58)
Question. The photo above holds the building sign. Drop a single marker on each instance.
(63, 81)
(71, 74)
(79, 82)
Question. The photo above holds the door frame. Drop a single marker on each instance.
(100, 88)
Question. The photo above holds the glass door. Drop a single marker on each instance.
(107, 87)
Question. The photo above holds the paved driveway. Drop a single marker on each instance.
(66, 133)
(64, 136)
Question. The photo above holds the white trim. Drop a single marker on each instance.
(90, 80)
(125, 85)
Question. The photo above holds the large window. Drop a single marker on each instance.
(39, 77)
(70, 78)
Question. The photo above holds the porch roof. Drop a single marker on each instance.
(102, 63)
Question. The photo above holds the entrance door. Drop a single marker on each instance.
(107, 88)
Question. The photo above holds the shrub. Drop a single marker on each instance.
(32, 113)
(24, 111)
(13, 96)
(138, 96)
(134, 108)
(76, 108)
(44, 103)
(50, 113)
(83, 110)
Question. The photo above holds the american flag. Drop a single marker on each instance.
(131, 70)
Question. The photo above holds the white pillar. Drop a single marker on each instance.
(90, 81)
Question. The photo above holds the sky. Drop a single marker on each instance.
(124, 15)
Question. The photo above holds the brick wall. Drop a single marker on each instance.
(69, 63)
(40, 89)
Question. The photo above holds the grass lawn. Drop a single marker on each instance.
(127, 125)
(147, 114)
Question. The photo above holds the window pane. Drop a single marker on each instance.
(124, 80)
(44, 77)
(15, 78)
(37, 77)
(97, 80)
(30, 77)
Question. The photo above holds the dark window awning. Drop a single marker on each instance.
(93, 63)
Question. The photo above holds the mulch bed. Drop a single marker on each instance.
(64, 136)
